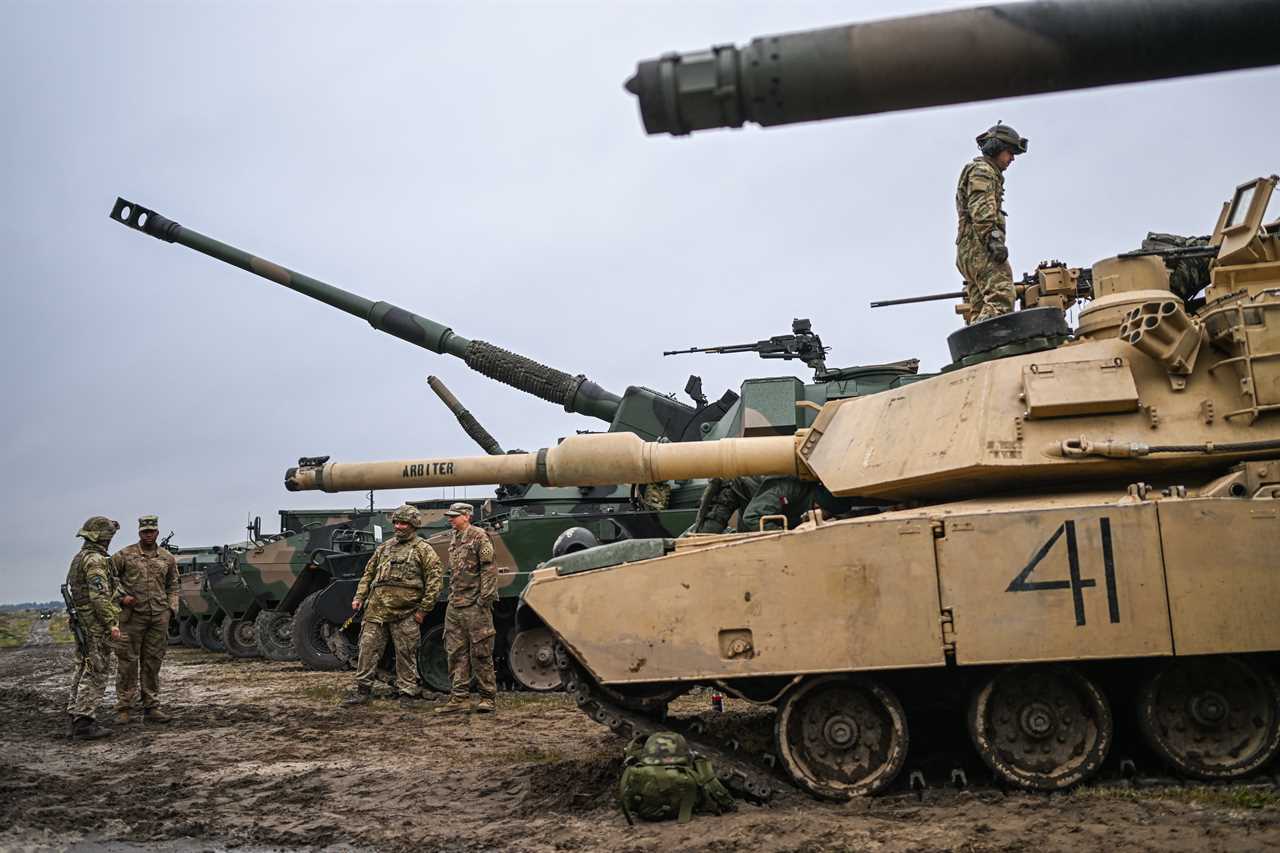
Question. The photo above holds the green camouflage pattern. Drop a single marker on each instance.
(469, 637)
(665, 748)
(93, 589)
(149, 575)
(404, 634)
(980, 221)
(1187, 276)
(401, 577)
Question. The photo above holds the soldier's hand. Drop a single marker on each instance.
(128, 601)
(115, 633)
(418, 616)
(999, 251)
(356, 603)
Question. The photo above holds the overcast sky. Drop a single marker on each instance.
(480, 164)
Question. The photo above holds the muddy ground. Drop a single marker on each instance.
(261, 757)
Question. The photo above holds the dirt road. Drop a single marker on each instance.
(261, 757)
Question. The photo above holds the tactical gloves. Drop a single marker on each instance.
(996, 247)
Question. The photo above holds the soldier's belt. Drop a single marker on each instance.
(379, 584)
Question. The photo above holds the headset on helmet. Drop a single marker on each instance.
(999, 137)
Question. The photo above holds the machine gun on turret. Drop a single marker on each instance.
(802, 344)
(1053, 284)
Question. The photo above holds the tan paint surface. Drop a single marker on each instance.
(858, 594)
(1223, 568)
(982, 554)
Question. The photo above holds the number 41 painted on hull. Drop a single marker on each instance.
(1077, 584)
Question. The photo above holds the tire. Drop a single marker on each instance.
(175, 631)
(273, 631)
(240, 638)
(187, 631)
(310, 637)
(209, 633)
(433, 664)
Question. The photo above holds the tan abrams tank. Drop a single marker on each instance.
(1070, 537)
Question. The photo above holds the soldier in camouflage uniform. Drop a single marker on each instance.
(399, 588)
(981, 253)
(721, 499)
(147, 580)
(468, 622)
(92, 588)
(1187, 276)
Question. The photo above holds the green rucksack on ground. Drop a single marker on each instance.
(662, 779)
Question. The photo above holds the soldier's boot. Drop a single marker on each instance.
(408, 700)
(87, 728)
(155, 715)
(122, 716)
(487, 705)
(454, 706)
(360, 696)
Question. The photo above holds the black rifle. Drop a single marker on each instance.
(73, 621)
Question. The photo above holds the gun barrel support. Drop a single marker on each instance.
(576, 393)
(580, 460)
(950, 58)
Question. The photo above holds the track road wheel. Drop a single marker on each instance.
(187, 630)
(533, 660)
(433, 663)
(1041, 727)
(209, 633)
(1211, 717)
(311, 635)
(273, 630)
(240, 638)
(841, 736)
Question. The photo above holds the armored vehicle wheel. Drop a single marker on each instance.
(311, 635)
(209, 632)
(533, 660)
(240, 638)
(175, 632)
(273, 630)
(1041, 727)
(187, 630)
(1212, 717)
(433, 663)
(841, 736)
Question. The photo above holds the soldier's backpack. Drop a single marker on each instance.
(662, 779)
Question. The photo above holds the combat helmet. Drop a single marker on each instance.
(408, 513)
(98, 529)
(1000, 136)
(665, 748)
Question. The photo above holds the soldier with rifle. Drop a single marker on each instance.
(94, 617)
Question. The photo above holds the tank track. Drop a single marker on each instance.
(735, 770)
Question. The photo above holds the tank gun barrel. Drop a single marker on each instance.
(952, 57)
(469, 424)
(581, 460)
(576, 393)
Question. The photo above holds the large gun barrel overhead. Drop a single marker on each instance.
(950, 58)
(576, 393)
(580, 460)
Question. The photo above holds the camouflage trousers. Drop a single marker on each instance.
(89, 683)
(468, 641)
(988, 286)
(373, 641)
(140, 653)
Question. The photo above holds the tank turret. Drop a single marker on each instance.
(640, 410)
(950, 58)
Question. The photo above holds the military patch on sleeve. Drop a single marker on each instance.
(98, 583)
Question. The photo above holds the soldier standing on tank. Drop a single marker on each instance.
(147, 578)
(91, 584)
(399, 588)
(468, 622)
(982, 255)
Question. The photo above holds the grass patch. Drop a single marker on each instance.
(1219, 796)
(528, 701)
(15, 627)
(60, 629)
(324, 692)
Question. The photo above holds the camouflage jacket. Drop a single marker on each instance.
(401, 577)
(93, 591)
(473, 579)
(150, 576)
(980, 200)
